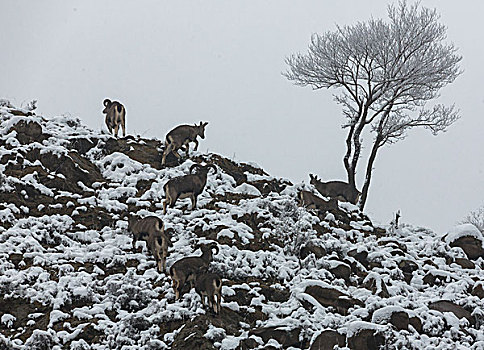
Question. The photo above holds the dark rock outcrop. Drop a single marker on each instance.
(448, 306)
(465, 263)
(311, 248)
(366, 339)
(327, 340)
(285, 337)
(478, 290)
(28, 132)
(416, 323)
(468, 238)
(377, 286)
(331, 297)
(396, 316)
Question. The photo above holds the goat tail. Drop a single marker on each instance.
(168, 140)
(217, 283)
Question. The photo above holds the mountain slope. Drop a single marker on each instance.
(292, 278)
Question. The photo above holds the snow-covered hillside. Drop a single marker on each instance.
(292, 278)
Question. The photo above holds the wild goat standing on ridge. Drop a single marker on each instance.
(151, 230)
(181, 136)
(187, 269)
(185, 186)
(115, 116)
(336, 189)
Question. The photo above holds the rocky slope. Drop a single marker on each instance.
(293, 278)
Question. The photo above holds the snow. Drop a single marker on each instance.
(382, 316)
(56, 316)
(215, 333)
(7, 320)
(463, 230)
(31, 180)
(232, 306)
(247, 189)
(117, 166)
(227, 291)
(225, 233)
(355, 327)
(230, 343)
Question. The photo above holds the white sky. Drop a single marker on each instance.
(177, 62)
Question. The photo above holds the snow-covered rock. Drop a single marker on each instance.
(69, 277)
(467, 237)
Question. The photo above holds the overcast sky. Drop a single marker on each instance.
(177, 62)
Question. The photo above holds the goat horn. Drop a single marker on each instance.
(106, 102)
(212, 166)
(194, 166)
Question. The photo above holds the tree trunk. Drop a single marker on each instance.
(369, 169)
(353, 144)
(346, 160)
(356, 143)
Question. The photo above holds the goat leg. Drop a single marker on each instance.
(219, 300)
(194, 201)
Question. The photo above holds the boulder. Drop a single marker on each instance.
(28, 132)
(364, 336)
(236, 170)
(407, 267)
(191, 337)
(361, 256)
(391, 242)
(448, 306)
(81, 144)
(366, 339)
(465, 263)
(395, 315)
(284, 336)
(437, 277)
(311, 248)
(74, 167)
(193, 334)
(248, 343)
(275, 295)
(416, 323)
(468, 238)
(327, 340)
(471, 246)
(267, 186)
(145, 151)
(333, 297)
(341, 270)
(478, 290)
(376, 284)
(400, 320)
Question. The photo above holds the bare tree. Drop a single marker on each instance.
(385, 73)
(476, 218)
